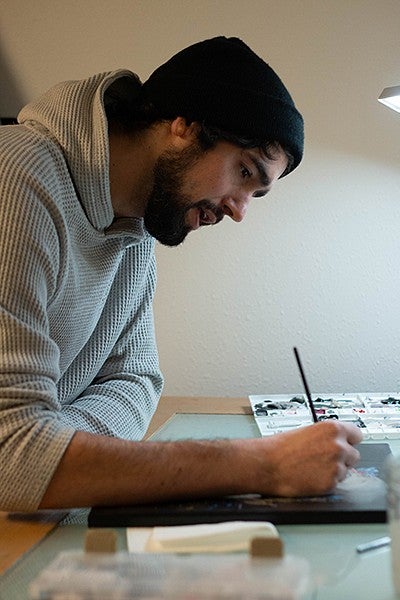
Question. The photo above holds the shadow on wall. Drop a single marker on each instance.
(11, 97)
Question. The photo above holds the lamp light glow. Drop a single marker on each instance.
(391, 97)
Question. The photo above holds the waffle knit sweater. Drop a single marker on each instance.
(77, 344)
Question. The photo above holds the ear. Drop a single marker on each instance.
(183, 133)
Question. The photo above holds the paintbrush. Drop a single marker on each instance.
(303, 377)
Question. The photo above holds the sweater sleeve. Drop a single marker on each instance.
(121, 399)
(32, 436)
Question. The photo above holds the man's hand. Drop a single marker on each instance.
(310, 460)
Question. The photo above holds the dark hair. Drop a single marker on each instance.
(208, 137)
(127, 110)
(129, 113)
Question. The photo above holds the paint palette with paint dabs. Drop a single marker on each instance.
(377, 414)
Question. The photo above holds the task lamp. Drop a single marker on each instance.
(391, 97)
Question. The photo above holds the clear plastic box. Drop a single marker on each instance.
(124, 576)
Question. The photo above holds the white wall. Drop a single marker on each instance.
(314, 265)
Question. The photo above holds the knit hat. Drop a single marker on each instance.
(223, 83)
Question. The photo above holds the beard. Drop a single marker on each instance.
(167, 205)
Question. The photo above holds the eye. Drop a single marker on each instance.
(244, 171)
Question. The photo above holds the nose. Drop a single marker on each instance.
(236, 209)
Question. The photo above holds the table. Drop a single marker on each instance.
(338, 571)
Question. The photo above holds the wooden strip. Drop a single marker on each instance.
(20, 532)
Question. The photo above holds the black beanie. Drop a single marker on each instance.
(224, 84)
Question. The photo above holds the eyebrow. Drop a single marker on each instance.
(262, 173)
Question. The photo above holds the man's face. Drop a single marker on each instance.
(193, 187)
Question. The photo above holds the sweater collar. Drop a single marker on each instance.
(73, 114)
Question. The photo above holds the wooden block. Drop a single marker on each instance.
(266, 547)
(101, 540)
(20, 532)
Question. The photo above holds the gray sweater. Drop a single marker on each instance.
(77, 345)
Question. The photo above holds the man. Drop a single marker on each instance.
(93, 174)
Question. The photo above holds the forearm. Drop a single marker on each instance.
(97, 470)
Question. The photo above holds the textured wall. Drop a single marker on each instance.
(313, 265)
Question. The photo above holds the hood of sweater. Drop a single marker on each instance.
(73, 114)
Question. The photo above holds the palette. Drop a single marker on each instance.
(377, 414)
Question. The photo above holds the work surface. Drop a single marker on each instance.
(338, 572)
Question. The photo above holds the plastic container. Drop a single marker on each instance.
(123, 576)
(393, 513)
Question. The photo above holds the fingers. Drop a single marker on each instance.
(341, 473)
(340, 452)
(347, 436)
(343, 441)
(352, 457)
(353, 434)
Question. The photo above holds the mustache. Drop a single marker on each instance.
(209, 205)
